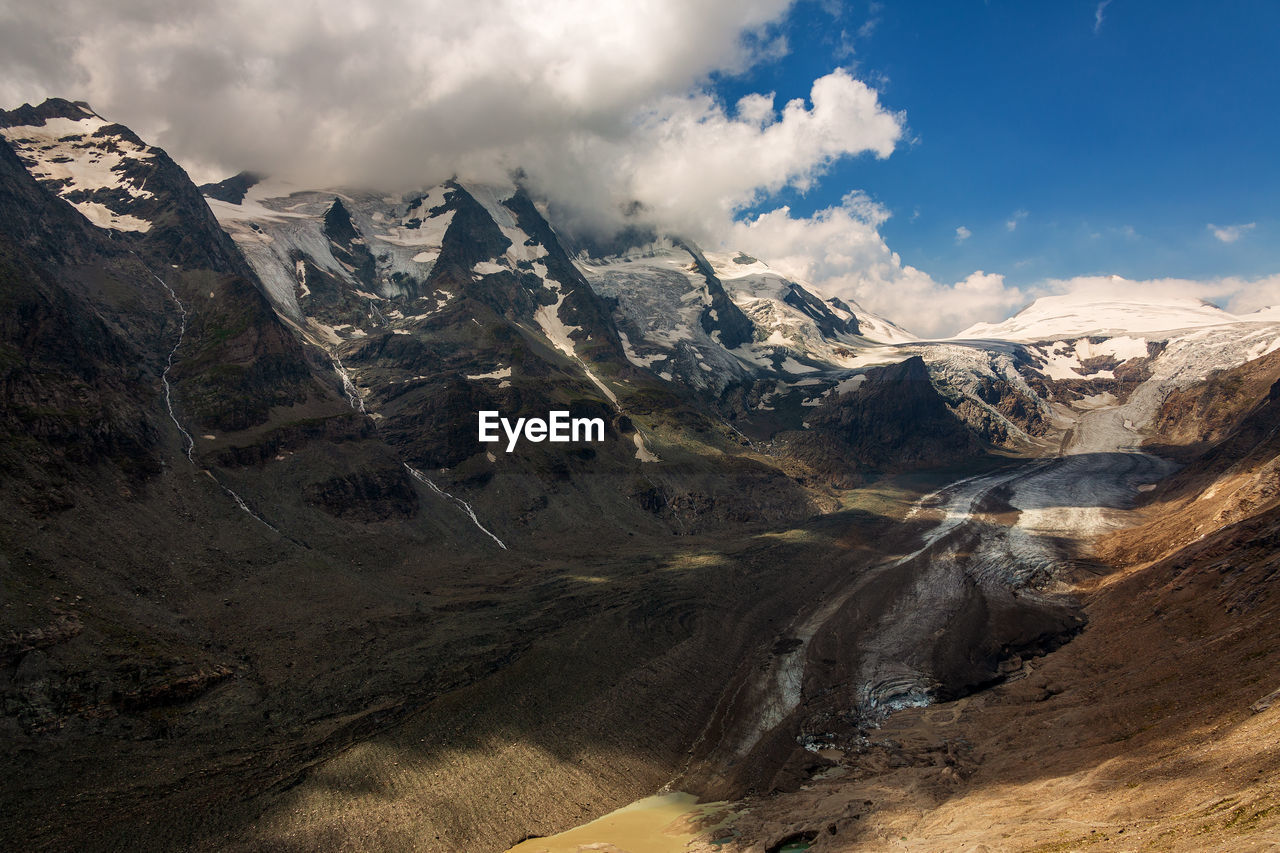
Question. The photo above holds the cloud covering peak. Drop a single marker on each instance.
(603, 105)
(600, 103)
(397, 89)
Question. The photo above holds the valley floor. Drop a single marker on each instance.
(1157, 728)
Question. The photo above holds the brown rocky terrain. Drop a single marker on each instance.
(1158, 727)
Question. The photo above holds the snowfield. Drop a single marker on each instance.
(71, 157)
(1076, 316)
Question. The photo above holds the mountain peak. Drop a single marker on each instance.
(1090, 312)
(52, 108)
(232, 190)
(337, 222)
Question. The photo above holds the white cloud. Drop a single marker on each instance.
(693, 165)
(873, 20)
(1230, 233)
(1128, 232)
(1245, 295)
(1013, 221)
(600, 102)
(411, 85)
(963, 234)
(1098, 15)
(841, 253)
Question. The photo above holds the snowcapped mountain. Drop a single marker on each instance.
(762, 351)
(668, 312)
(100, 168)
(377, 281)
(703, 319)
(1081, 315)
(350, 268)
(1082, 344)
(119, 183)
(466, 293)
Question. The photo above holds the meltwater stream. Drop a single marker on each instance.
(168, 366)
(466, 507)
(168, 402)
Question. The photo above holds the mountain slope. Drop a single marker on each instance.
(249, 528)
(1144, 730)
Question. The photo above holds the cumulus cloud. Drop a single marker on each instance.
(1011, 224)
(409, 84)
(601, 103)
(963, 234)
(1230, 233)
(841, 252)
(693, 164)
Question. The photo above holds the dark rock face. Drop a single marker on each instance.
(721, 315)
(233, 189)
(51, 108)
(894, 420)
(348, 246)
(1126, 375)
(830, 324)
(367, 495)
(1229, 425)
(181, 229)
(1008, 402)
(739, 492)
(237, 361)
(474, 238)
(69, 378)
(337, 224)
(840, 305)
(582, 307)
(334, 429)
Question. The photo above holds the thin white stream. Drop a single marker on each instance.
(348, 387)
(356, 401)
(168, 365)
(422, 478)
(168, 402)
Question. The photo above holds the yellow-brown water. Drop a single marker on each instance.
(664, 823)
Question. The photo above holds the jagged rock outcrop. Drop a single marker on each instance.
(892, 419)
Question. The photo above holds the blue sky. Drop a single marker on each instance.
(1110, 147)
